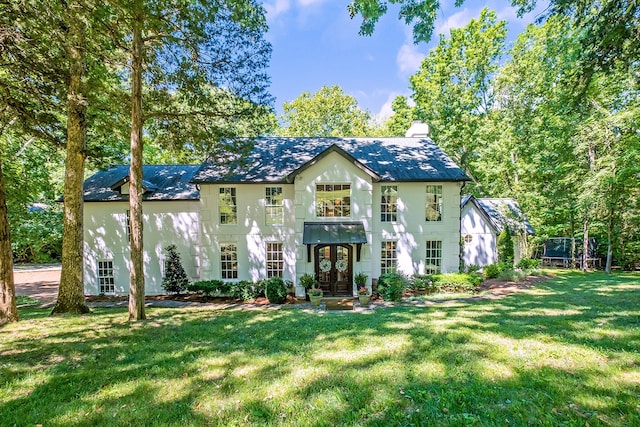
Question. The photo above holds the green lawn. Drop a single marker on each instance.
(566, 352)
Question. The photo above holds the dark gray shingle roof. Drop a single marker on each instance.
(275, 159)
(502, 211)
(162, 182)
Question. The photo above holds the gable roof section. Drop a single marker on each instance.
(277, 159)
(501, 212)
(161, 182)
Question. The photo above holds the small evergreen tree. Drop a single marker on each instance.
(505, 248)
(175, 279)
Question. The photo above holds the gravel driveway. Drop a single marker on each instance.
(39, 282)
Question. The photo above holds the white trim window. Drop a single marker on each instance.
(227, 205)
(128, 224)
(275, 259)
(388, 256)
(389, 203)
(273, 205)
(433, 257)
(229, 261)
(333, 200)
(433, 207)
(106, 279)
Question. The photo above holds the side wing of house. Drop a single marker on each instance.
(106, 243)
(478, 235)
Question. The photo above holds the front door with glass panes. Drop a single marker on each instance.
(334, 269)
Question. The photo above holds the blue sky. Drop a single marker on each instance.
(315, 44)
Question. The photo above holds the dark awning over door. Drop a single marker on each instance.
(333, 232)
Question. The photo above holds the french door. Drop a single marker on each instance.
(334, 269)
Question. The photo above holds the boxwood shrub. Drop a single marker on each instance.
(276, 290)
(391, 286)
(446, 282)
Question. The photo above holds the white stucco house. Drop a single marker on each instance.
(331, 207)
(482, 220)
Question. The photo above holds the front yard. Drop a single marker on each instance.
(563, 352)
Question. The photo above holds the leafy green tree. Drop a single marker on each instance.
(402, 117)
(200, 66)
(328, 112)
(453, 91)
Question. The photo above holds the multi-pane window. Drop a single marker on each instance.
(433, 258)
(388, 257)
(106, 280)
(333, 200)
(128, 219)
(275, 259)
(389, 203)
(273, 205)
(229, 261)
(227, 205)
(433, 209)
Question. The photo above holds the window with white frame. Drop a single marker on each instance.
(106, 280)
(227, 205)
(389, 203)
(433, 208)
(273, 205)
(333, 200)
(128, 219)
(275, 259)
(388, 257)
(229, 261)
(433, 258)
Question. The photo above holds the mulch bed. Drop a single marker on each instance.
(494, 286)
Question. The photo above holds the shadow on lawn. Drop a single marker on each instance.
(516, 360)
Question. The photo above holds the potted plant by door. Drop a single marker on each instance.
(364, 296)
(315, 296)
(308, 281)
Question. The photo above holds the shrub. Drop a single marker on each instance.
(175, 279)
(511, 275)
(391, 286)
(528, 264)
(446, 282)
(457, 282)
(276, 290)
(422, 282)
(505, 247)
(492, 271)
(247, 290)
(210, 287)
(472, 268)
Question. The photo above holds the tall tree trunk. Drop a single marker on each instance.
(136, 292)
(609, 242)
(585, 244)
(8, 309)
(71, 290)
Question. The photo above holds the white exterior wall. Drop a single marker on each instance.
(165, 223)
(482, 250)
(412, 231)
(251, 233)
(333, 169)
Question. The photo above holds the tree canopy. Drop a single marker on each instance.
(328, 112)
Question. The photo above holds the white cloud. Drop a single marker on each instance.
(409, 59)
(386, 111)
(305, 3)
(274, 10)
(457, 20)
